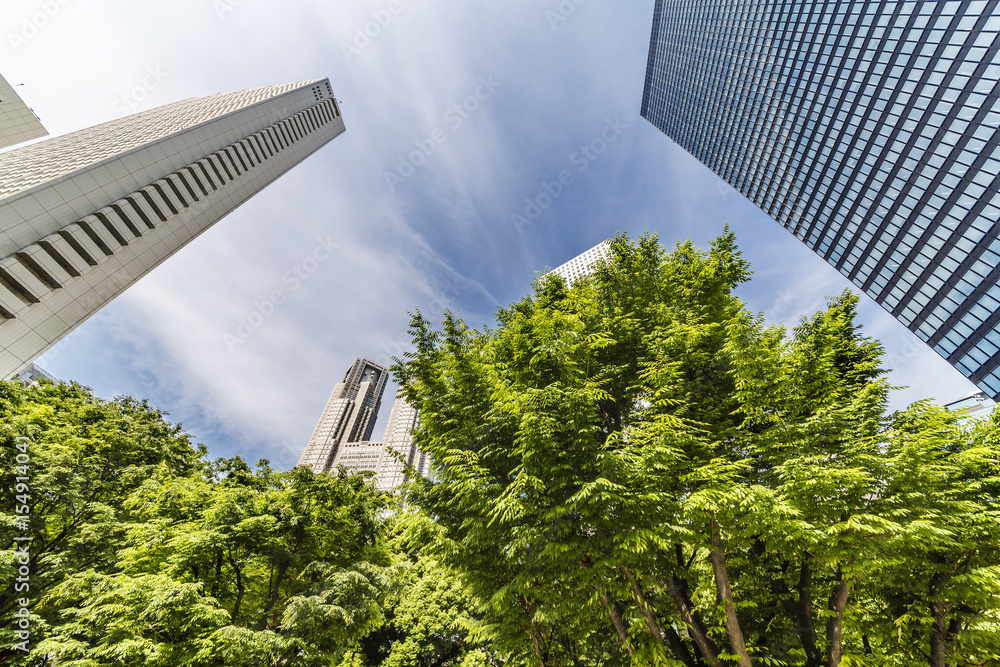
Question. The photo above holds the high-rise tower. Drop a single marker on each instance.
(349, 415)
(387, 457)
(85, 215)
(582, 264)
(868, 129)
(17, 122)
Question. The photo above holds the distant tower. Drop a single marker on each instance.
(83, 216)
(380, 457)
(398, 438)
(973, 407)
(582, 264)
(349, 416)
(18, 123)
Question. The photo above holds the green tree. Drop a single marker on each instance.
(936, 598)
(83, 455)
(141, 553)
(430, 619)
(639, 459)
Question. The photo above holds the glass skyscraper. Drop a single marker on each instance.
(868, 129)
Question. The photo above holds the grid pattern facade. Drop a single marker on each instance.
(974, 407)
(388, 458)
(868, 129)
(349, 416)
(70, 244)
(398, 438)
(329, 447)
(581, 264)
(43, 162)
(17, 122)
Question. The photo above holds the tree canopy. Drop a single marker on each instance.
(632, 470)
(144, 553)
(636, 469)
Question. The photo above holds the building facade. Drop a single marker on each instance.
(868, 129)
(349, 416)
(342, 436)
(388, 458)
(398, 439)
(973, 407)
(18, 123)
(582, 263)
(33, 374)
(85, 215)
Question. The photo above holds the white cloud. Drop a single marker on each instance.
(443, 239)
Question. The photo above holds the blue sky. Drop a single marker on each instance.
(458, 116)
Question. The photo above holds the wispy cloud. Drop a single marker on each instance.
(442, 238)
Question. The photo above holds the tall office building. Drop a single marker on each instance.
(973, 407)
(349, 416)
(387, 458)
(582, 264)
(18, 123)
(85, 215)
(868, 129)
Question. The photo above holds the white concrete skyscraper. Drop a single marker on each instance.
(342, 435)
(85, 215)
(388, 457)
(349, 415)
(17, 122)
(582, 264)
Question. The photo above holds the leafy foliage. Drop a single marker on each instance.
(637, 470)
(632, 470)
(144, 554)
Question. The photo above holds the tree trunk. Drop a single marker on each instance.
(679, 648)
(709, 651)
(273, 597)
(801, 612)
(240, 589)
(835, 622)
(939, 612)
(939, 640)
(218, 576)
(621, 625)
(651, 623)
(538, 646)
(725, 592)
(535, 639)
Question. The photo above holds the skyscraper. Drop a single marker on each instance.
(17, 122)
(349, 416)
(381, 457)
(973, 407)
(868, 129)
(85, 215)
(582, 263)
